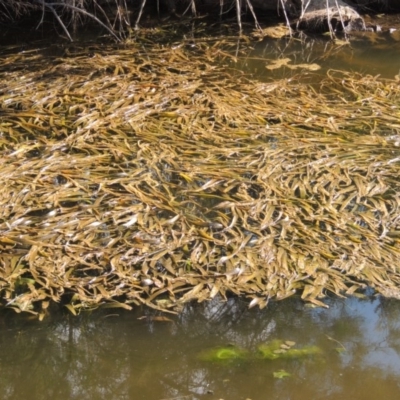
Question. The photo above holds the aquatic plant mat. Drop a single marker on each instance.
(158, 175)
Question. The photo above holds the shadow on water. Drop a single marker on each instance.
(128, 355)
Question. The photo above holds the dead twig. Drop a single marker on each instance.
(140, 13)
(286, 18)
(51, 6)
(254, 15)
(328, 16)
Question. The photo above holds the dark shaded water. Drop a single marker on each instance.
(115, 355)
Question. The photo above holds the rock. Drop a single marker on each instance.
(314, 14)
(338, 16)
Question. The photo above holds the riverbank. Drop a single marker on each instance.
(119, 18)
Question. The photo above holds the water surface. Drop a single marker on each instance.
(116, 355)
(121, 355)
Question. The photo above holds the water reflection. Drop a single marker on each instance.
(120, 357)
(367, 53)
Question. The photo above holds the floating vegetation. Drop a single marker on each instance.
(279, 349)
(158, 175)
(285, 62)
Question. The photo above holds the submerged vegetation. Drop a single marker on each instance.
(274, 350)
(159, 174)
(285, 350)
(224, 354)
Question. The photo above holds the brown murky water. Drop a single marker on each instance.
(116, 355)
(367, 53)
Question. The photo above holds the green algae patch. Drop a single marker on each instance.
(281, 374)
(285, 350)
(224, 354)
(274, 350)
(306, 351)
(270, 350)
